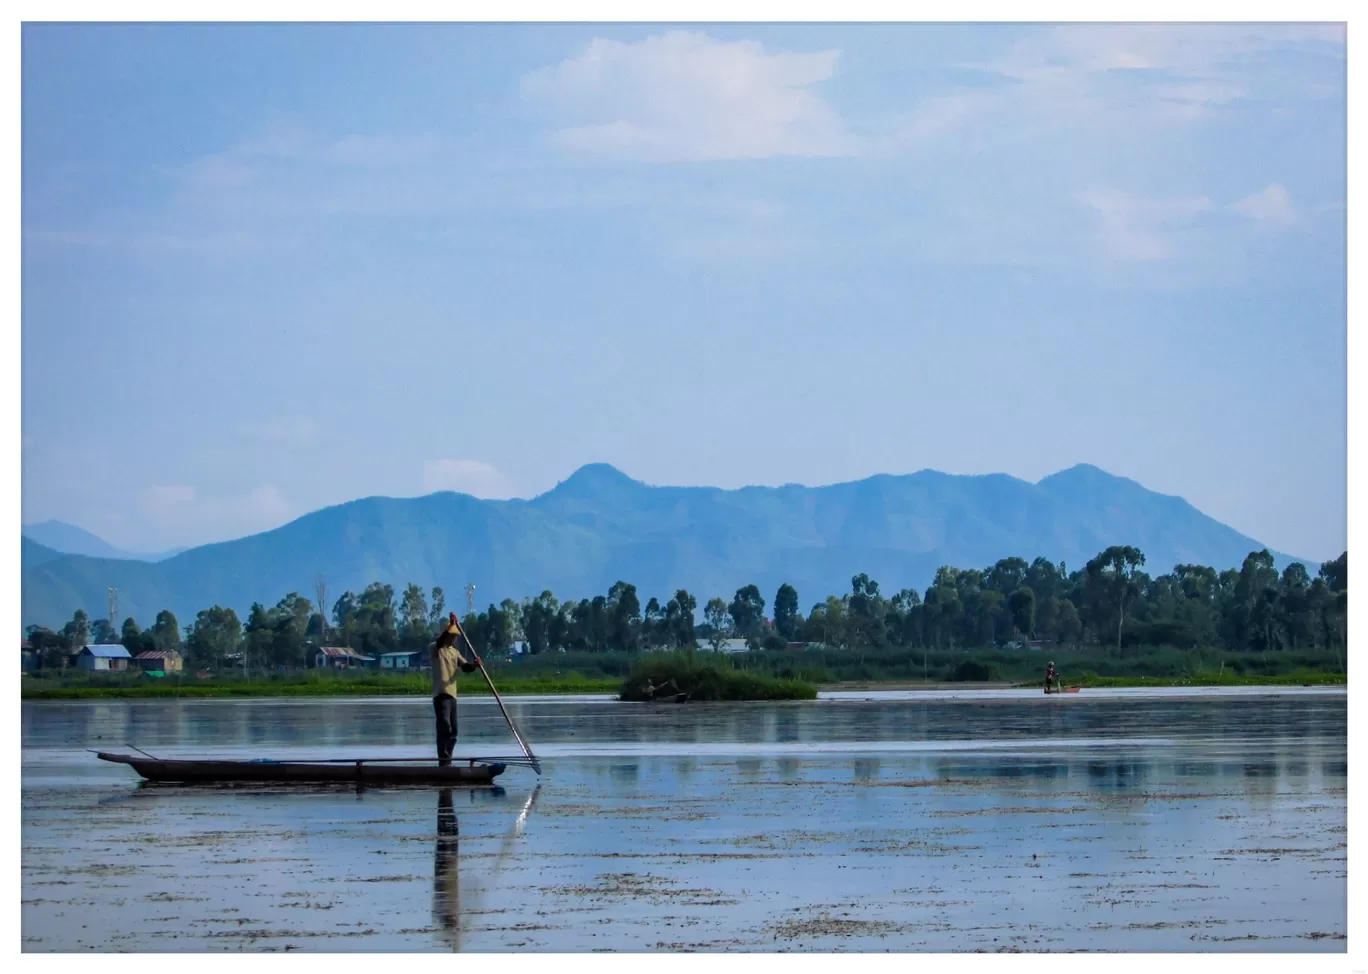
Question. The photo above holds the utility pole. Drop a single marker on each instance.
(470, 598)
(113, 609)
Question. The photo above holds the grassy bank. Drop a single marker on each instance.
(710, 679)
(308, 684)
(749, 676)
(1211, 679)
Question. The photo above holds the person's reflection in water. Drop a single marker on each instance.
(446, 877)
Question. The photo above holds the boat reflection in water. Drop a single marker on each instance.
(446, 877)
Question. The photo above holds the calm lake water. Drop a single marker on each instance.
(1109, 821)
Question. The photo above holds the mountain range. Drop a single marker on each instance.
(600, 525)
(68, 539)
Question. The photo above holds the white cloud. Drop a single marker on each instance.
(683, 96)
(1126, 77)
(472, 477)
(178, 510)
(1273, 205)
(1135, 228)
(939, 115)
(1183, 50)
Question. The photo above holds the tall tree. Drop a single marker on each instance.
(259, 638)
(653, 631)
(344, 616)
(786, 615)
(718, 618)
(747, 610)
(624, 614)
(134, 639)
(438, 613)
(166, 634)
(1008, 575)
(289, 623)
(1113, 573)
(413, 619)
(538, 618)
(52, 650)
(1069, 627)
(679, 617)
(103, 633)
(77, 631)
(1336, 573)
(1022, 605)
(216, 635)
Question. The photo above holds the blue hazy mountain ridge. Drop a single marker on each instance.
(600, 525)
(32, 554)
(68, 539)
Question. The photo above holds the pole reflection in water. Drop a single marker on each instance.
(446, 877)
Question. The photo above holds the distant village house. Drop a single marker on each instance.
(403, 661)
(110, 657)
(159, 661)
(728, 646)
(340, 658)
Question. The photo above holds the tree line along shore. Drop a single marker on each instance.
(1109, 620)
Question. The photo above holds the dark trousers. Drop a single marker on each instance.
(445, 709)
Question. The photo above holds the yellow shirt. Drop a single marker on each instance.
(445, 660)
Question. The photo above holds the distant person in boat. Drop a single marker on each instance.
(652, 691)
(1051, 677)
(445, 659)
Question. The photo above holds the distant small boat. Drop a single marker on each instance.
(1065, 690)
(370, 771)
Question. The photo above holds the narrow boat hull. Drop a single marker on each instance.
(291, 772)
(1065, 690)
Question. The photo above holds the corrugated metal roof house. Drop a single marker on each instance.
(159, 660)
(340, 657)
(104, 656)
(403, 661)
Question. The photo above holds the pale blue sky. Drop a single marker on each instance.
(270, 268)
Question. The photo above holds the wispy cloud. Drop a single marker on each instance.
(684, 96)
(180, 510)
(1271, 205)
(1134, 228)
(1128, 75)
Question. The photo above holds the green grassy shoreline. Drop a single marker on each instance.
(390, 686)
(1296, 678)
(385, 686)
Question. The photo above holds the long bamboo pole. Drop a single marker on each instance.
(532, 758)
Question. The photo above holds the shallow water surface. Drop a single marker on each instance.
(862, 822)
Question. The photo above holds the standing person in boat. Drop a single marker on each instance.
(445, 659)
(1051, 676)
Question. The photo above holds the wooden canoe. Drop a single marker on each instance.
(1065, 690)
(303, 772)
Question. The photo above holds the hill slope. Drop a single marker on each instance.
(600, 526)
(68, 539)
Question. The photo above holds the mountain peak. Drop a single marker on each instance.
(1079, 473)
(597, 477)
